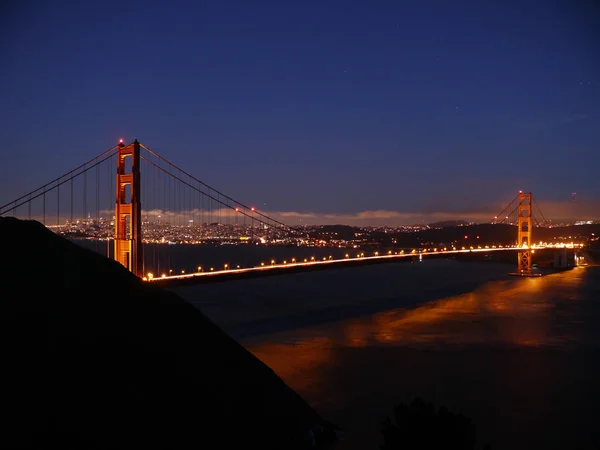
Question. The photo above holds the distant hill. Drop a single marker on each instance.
(448, 223)
(462, 234)
(93, 358)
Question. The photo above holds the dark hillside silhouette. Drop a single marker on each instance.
(94, 358)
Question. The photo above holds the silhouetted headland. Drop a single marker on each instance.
(92, 357)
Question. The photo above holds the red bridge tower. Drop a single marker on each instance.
(525, 224)
(128, 210)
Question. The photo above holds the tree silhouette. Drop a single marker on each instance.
(419, 426)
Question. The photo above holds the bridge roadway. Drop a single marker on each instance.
(296, 266)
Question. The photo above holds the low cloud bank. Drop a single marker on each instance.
(556, 211)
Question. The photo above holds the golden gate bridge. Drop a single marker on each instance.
(102, 200)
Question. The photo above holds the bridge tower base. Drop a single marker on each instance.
(128, 210)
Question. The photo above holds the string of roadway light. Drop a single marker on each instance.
(293, 262)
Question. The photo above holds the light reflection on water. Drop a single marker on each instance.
(516, 311)
(519, 356)
(502, 312)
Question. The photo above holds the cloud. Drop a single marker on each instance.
(380, 217)
(364, 218)
(584, 209)
(291, 214)
(557, 211)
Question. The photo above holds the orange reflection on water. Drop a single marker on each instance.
(357, 333)
(296, 362)
(514, 312)
(338, 370)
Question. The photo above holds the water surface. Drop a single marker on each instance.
(518, 355)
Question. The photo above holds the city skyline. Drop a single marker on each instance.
(363, 115)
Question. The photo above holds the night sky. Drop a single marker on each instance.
(326, 111)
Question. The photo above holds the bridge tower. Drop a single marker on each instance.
(128, 210)
(525, 227)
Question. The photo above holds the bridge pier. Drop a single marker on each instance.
(563, 259)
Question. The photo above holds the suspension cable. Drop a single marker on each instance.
(55, 180)
(47, 189)
(175, 177)
(540, 211)
(503, 212)
(216, 191)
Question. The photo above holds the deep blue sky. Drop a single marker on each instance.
(331, 107)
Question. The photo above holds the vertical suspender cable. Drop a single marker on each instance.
(110, 206)
(97, 195)
(85, 195)
(97, 225)
(57, 205)
(71, 216)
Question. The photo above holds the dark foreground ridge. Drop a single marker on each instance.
(94, 358)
